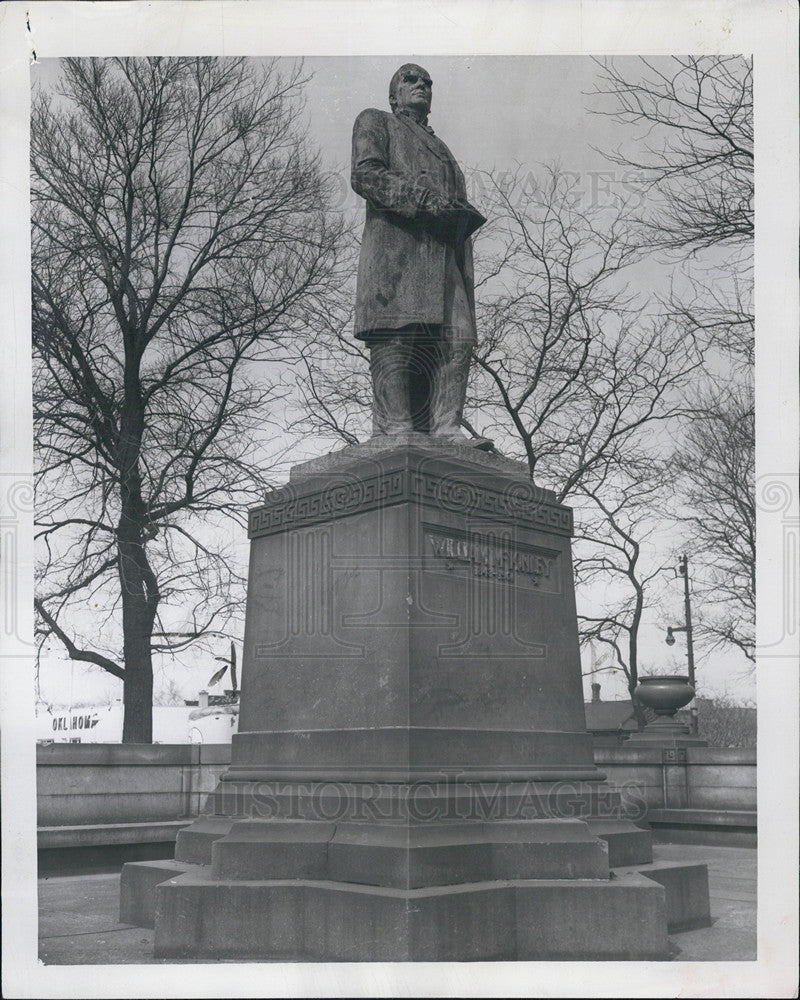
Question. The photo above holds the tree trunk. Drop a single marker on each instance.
(137, 725)
(633, 660)
(638, 711)
(139, 603)
(138, 585)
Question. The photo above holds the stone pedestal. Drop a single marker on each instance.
(406, 613)
(665, 735)
(412, 778)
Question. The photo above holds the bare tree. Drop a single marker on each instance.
(569, 370)
(697, 156)
(696, 150)
(727, 723)
(170, 694)
(617, 555)
(181, 247)
(716, 308)
(716, 464)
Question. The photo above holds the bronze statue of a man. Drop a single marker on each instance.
(415, 305)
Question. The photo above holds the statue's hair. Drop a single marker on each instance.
(395, 80)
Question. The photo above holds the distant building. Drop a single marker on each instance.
(210, 719)
(609, 722)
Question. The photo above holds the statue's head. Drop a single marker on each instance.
(410, 89)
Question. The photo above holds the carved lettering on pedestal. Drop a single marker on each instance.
(491, 557)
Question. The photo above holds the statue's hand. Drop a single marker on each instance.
(451, 216)
(434, 205)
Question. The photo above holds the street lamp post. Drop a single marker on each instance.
(683, 570)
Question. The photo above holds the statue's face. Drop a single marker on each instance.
(414, 89)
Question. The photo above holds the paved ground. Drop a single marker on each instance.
(79, 914)
(732, 888)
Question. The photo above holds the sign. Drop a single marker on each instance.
(492, 557)
(64, 723)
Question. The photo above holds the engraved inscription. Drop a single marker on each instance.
(493, 558)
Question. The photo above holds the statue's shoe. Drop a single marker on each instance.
(456, 437)
(481, 443)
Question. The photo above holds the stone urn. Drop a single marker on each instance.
(665, 695)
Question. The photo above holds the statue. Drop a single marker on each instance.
(415, 306)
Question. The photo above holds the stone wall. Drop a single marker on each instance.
(112, 794)
(105, 793)
(697, 794)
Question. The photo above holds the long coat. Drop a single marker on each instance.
(401, 271)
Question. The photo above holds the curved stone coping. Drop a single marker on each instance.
(131, 754)
(97, 834)
(704, 817)
(694, 755)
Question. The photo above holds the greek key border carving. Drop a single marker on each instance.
(517, 503)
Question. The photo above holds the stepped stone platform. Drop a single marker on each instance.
(685, 885)
(412, 779)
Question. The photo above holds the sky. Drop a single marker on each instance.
(490, 110)
(494, 112)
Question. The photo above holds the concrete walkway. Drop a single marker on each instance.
(79, 915)
(732, 875)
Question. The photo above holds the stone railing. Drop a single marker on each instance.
(694, 794)
(105, 794)
(93, 794)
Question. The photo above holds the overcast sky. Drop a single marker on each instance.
(490, 110)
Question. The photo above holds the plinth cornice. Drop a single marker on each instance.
(410, 477)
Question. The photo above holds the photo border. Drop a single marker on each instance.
(768, 31)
